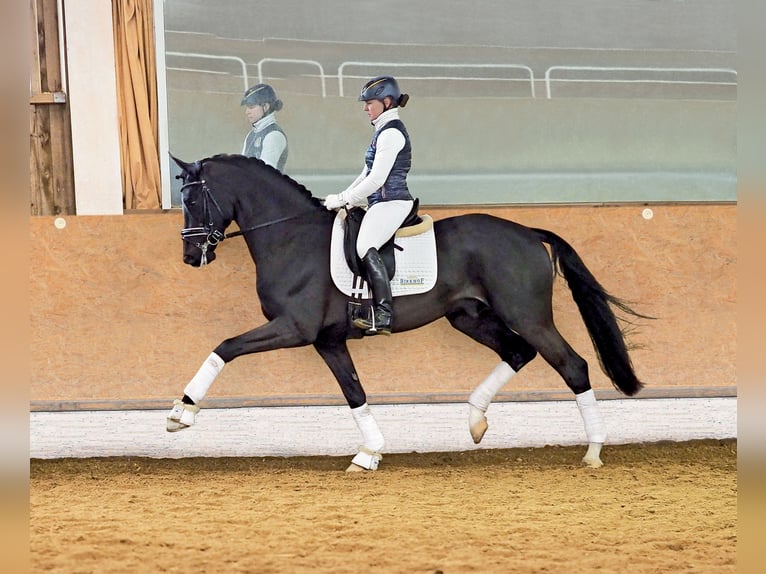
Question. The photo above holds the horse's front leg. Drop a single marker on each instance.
(276, 334)
(335, 353)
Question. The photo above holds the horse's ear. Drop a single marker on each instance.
(191, 169)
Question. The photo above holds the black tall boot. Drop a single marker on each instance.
(380, 284)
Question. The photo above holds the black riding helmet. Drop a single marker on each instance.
(382, 87)
(261, 94)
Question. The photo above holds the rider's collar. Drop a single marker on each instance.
(266, 120)
(385, 117)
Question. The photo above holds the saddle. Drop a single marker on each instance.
(354, 222)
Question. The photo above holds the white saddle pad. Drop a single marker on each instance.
(415, 261)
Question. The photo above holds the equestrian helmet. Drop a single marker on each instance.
(379, 88)
(260, 94)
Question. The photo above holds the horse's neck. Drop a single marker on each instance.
(266, 218)
(262, 196)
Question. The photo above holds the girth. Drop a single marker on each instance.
(354, 218)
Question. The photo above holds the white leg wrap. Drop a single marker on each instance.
(595, 429)
(371, 435)
(200, 383)
(482, 396)
(489, 387)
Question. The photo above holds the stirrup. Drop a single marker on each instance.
(362, 323)
(181, 416)
(372, 326)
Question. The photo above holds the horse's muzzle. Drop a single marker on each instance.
(194, 256)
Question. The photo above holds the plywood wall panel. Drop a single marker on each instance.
(118, 319)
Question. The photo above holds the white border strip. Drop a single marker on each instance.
(330, 430)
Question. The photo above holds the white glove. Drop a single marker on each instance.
(334, 201)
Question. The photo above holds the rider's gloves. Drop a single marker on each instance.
(335, 201)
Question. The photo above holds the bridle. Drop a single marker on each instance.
(208, 235)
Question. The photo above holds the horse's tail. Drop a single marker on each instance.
(595, 306)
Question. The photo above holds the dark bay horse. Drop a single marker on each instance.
(495, 284)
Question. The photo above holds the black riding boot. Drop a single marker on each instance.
(380, 284)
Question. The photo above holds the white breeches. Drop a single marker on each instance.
(380, 223)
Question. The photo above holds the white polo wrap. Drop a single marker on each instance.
(200, 383)
(595, 429)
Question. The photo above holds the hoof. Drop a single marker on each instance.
(181, 416)
(365, 459)
(175, 426)
(592, 458)
(592, 462)
(477, 424)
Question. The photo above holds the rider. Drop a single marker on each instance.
(266, 140)
(382, 186)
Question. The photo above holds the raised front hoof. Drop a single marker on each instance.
(355, 468)
(477, 424)
(175, 426)
(592, 458)
(181, 416)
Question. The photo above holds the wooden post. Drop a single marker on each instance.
(50, 158)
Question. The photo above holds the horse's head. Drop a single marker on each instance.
(204, 218)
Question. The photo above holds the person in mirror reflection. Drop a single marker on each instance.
(266, 140)
(382, 188)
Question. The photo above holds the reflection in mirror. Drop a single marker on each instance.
(505, 108)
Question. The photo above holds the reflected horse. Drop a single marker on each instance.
(495, 284)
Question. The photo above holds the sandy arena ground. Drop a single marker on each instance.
(659, 507)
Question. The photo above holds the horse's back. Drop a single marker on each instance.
(494, 253)
(488, 234)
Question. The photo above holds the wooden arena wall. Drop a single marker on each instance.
(118, 321)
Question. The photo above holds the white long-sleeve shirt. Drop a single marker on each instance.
(388, 146)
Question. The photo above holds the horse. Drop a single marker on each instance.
(495, 285)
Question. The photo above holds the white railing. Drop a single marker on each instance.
(587, 74)
(240, 61)
(655, 73)
(525, 69)
(292, 61)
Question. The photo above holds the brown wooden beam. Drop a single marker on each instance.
(48, 98)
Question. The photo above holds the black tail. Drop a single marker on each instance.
(595, 306)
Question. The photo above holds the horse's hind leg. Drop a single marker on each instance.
(480, 323)
(335, 353)
(574, 370)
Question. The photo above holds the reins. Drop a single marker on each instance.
(266, 224)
